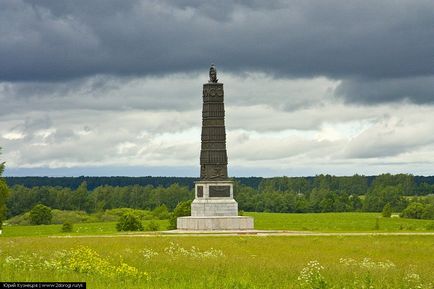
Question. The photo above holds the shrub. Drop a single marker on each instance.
(40, 214)
(413, 211)
(161, 212)
(67, 216)
(428, 212)
(129, 222)
(387, 211)
(116, 214)
(182, 209)
(152, 226)
(67, 227)
(23, 219)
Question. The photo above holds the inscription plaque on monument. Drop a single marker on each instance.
(219, 191)
(199, 191)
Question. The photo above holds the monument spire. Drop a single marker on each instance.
(213, 156)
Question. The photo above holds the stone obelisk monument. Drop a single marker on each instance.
(214, 207)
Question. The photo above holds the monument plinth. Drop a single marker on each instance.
(214, 207)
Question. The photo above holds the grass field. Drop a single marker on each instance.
(43, 253)
(222, 262)
(324, 222)
(101, 228)
(338, 222)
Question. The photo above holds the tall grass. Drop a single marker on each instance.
(223, 262)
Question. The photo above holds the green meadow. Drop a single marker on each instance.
(97, 254)
(222, 262)
(338, 222)
(319, 222)
(100, 228)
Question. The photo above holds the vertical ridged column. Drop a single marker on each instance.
(213, 156)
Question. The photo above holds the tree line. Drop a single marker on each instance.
(322, 193)
(23, 199)
(355, 185)
(94, 182)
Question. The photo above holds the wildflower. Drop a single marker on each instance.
(175, 250)
(82, 260)
(310, 276)
(149, 253)
(412, 280)
(367, 263)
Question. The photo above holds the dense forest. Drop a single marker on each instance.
(420, 185)
(94, 182)
(322, 193)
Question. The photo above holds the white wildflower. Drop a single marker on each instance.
(149, 253)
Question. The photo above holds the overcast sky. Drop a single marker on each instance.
(107, 87)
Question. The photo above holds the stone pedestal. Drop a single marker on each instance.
(214, 198)
(214, 208)
(216, 223)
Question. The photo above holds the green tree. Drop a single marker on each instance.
(4, 193)
(301, 204)
(413, 211)
(182, 209)
(387, 211)
(379, 196)
(40, 214)
(129, 222)
(79, 198)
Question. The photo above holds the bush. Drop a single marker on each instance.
(129, 222)
(387, 211)
(67, 227)
(22, 220)
(40, 214)
(116, 214)
(413, 211)
(428, 212)
(182, 209)
(161, 212)
(66, 216)
(152, 226)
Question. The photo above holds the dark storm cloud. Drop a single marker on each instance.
(372, 91)
(51, 40)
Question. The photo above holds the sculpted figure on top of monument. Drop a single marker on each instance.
(213, 74)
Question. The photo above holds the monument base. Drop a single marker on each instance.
(214, 209)
(210, 223)
(220, 207)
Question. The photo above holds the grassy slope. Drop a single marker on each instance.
(248, 262)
